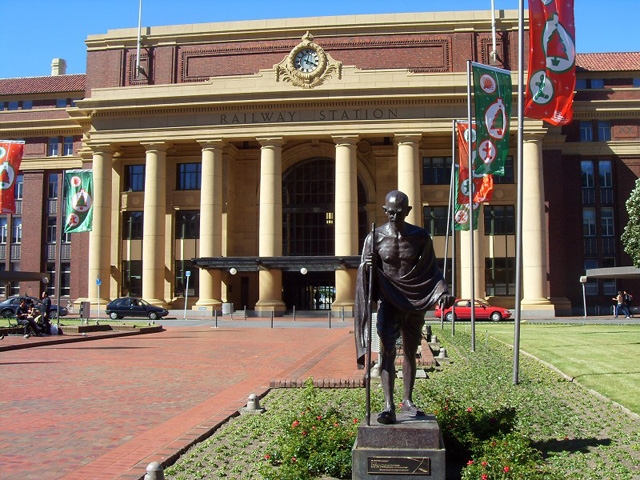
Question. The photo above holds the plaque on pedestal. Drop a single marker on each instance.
(412, 448)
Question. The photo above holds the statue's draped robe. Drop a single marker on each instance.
(416, 291)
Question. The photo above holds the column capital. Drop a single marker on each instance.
(348, 140)
(211, 143)
(407, 138)
(102, 148)
(270, 142)
(155, 146)
(533, 137)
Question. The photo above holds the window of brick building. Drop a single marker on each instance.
(67, 146)
(604, 130)
(436, 170)
(435, 220)
(53, 149)
(134, 178)
(189, 176)
(586, 131)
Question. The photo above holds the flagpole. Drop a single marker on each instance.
(494, 53)
(471, 188)
(448, 224)
(518, 293)
(59, 233)
(139, 37)
(452, 202)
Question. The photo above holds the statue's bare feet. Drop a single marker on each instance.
(407, 406)
(387, 417)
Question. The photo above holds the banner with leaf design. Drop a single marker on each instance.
(552, 61)
(78, 191)
(492, 98)
(11, 152)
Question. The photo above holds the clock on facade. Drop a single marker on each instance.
(306, 60)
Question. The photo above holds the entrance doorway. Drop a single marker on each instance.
(313, 291)
(308, 206)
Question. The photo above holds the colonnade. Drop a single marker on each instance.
(270, 217)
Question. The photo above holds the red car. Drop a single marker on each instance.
(483, 311)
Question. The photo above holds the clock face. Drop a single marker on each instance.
(306, 60)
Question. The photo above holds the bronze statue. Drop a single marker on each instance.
(406, 282)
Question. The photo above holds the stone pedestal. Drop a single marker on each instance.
(410, 449)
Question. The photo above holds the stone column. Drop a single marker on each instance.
(346, 218)
(270, 225)
(534, 231)
(211, 221)
(100, 235)
(479, 280)
(409, 174)
(153, 237)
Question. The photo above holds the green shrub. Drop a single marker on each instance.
(505, 457)
(315, 441)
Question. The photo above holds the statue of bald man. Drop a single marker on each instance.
(406, 283)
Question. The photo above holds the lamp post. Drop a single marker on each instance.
(186, 292)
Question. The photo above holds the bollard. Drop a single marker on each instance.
(343, 314)
(329, 318)
(294, 313)
(253, 405)
(154, 472)
(215, 315)
(271, 318)
(245, 312)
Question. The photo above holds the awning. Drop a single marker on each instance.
(286, 264)
(613, 272)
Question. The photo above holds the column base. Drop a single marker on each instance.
(264, 309)
(337, 307)
(537, 308)
(158, 302)
(207, 305)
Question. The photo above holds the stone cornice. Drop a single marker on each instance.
(330, 26)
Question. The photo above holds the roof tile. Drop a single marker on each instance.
(33, 85)
(608, 62)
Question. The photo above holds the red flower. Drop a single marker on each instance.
(470, 462)
(313, 427)
(335, 424)
(484, 477)
(506, 469)
(319, 417)
(295, 424)
(469, 409)
(294, 459)
(267, 456)
(484, 464)
(304, 433)
(355, 420)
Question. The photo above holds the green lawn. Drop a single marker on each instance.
(604, 358)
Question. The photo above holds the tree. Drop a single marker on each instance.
(631, 234)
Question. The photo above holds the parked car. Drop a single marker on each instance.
(134, 307)
(10, 305)
(483, 311)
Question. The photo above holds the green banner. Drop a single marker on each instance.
(492, 92)
(78, 199)
(461, 211)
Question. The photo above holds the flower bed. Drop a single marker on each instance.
(544, 427)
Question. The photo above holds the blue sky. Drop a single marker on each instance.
(34, 32)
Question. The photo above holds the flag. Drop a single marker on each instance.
(482, 183)
(461, 210)
(552, 61)
(10, 158)
(492, 98)
(78, 188)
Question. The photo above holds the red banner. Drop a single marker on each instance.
(10, 158)
(482, 185)
(552, 61)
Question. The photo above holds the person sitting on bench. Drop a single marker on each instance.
(23, 315)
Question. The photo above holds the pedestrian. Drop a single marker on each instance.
(628, 299)
(46, 312)
(620, 305)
